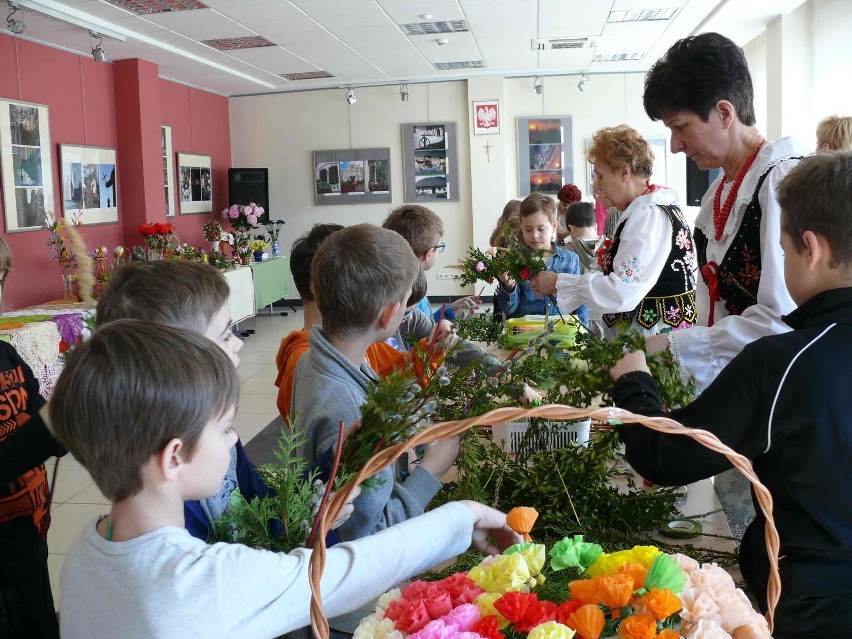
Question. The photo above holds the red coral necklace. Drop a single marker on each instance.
(722, 213)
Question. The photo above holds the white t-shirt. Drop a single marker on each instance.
(169, 584)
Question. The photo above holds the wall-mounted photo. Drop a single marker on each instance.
(168, 173)
(430, 161)
(89, 183)
(352, 176)
(25, 164)
(195, 185)
(544, 154)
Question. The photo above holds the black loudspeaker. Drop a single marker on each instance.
(697, 182)
(249, 185)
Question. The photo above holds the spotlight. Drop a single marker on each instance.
(350, 96)
(97, 51)
(581, 85)
(539, 88)
(403, 92)
(16, 25)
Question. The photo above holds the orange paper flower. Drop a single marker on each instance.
(638, 627)
(668, 633)
(588, 621)
(662, 603)
(615, 591)
(585, 590)
(636, 571)
(521, 519)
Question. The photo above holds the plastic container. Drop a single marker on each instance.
(551, 435)
(519, 330)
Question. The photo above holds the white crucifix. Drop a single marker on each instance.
(487, 147)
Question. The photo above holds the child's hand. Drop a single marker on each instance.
(507, 282)
(488, 522)
(465, 306)
(347, 510)
(530, 395)
(441, 330)
(544, 283)
(630, 363)
(440, 455)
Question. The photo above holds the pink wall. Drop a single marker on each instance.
(80, 95)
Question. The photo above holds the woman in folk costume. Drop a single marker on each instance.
(647, 273)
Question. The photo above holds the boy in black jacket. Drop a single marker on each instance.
(784, 403)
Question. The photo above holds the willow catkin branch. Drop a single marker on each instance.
(384, 458)
(85, 265)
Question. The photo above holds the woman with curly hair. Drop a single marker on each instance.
(565, 197)
(647, 273)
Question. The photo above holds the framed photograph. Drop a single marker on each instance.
(486, 117)
(25, 164)
(352, 176)
(430, 158)
(89, 183)
(168, 169)
(544, 154)
(195, 183)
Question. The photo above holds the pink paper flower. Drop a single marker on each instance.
(464, 617)
(706, 629)
(698, 606)
(480, 267)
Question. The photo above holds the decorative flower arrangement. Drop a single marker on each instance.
(258, 244)
(56, 241)
(516, 259)
(243, 216)
(639, 593)
(213, 231)
(156, 236)
(241, 243)
(274, 228)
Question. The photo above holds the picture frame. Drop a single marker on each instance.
(25, 164)
(430, 161)
(352, 176)
(545, 156)
(194, 183)
(486, 117)
(89, 183)
(168, 169)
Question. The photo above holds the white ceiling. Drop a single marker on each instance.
(361, 43)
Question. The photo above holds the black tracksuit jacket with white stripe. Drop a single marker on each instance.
(785, 402)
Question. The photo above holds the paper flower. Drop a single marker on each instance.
(588, 621)
(638, 627)
(662, 604)
(521, 519)
(480, 266)
(574, 553)
(551, 630)
(665, 573)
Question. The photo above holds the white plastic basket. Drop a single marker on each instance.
(552, 436)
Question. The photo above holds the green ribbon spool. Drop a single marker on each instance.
(681, 529)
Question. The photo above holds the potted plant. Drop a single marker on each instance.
(258, 245)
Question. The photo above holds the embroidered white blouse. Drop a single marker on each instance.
(643, 251)
(702, 351)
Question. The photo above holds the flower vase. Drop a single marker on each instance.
(155, 254)
(68, 287)
(276, 249)
(245, 259)
(258, 256)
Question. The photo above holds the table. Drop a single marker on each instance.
(45, 332)
(271, 281)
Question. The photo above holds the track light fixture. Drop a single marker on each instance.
(537, 85)
(403, 92)
(581, 85)
(16, 25)
(350, 96)
(97, 50)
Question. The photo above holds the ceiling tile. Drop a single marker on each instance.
(389, 37)
(571, 18)
(460, 46)
(202, 24)
(274, 59)
(404, 11)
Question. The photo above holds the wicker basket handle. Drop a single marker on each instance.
(382, 459)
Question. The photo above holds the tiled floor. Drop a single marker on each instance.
(77, 500)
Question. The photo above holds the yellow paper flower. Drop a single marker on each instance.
(551, 630)
(607, 563)
(485, 603)
(507, 573)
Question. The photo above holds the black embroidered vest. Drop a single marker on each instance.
(672, 298)
(739, 273)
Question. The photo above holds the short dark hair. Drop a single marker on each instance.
(538, 202)
(420, 226)
(302, 256)
(356, 272)
(815, 197)
(694, 74)
(418, 289)
(580, 214)
(133, 387)
(173, 292)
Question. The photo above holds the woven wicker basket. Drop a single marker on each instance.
(319, 622)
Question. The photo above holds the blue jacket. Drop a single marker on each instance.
(424, 306)
(522, 301)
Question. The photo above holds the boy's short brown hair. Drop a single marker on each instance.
(420, 227)
(815, 197)
(356, 272)
(302, 256)
(173, 292)
(538, 202)
(418, 289)
(836, 131)
(130, 389)
(616, 146)
(580, 214)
